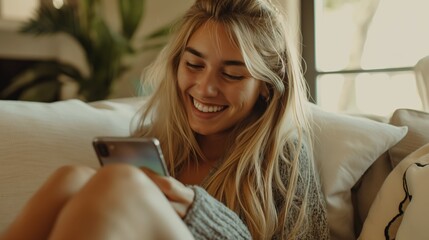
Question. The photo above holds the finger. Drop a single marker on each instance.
(148, 171)
(180, 209)
(176, 191)
(173, 189)
(160, 181)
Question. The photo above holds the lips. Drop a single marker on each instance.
(205, 108)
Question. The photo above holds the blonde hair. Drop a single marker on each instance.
(273, 135)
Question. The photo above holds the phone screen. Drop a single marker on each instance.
(139, 152)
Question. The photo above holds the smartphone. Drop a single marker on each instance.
(139, 152)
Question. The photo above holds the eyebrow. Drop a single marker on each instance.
(227, 62)
(194, 52)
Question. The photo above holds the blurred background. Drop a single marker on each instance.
(89, 49)
(359, 55)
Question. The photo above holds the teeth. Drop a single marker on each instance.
(205, 108)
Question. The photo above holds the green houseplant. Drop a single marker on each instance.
(104, 48)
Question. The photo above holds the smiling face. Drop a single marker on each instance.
(217, 88)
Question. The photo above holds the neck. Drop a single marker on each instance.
(212, 146)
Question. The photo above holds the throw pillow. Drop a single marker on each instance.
(383, 213)
(417, 136)
(414, 220)
(344, 148)
(366, 190)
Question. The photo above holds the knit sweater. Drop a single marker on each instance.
(208, 218)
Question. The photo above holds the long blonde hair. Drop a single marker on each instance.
(273, 135)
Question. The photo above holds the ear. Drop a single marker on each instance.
(265, 93)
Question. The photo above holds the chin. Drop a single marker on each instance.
(206, 131)
(203, 132)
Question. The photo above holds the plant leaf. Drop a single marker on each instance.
(46, 90)
(131, 12)
(50, 20)
(40, 72)
(154, 46)
(160, 32)
(105, 49)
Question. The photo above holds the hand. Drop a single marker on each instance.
(180, 196)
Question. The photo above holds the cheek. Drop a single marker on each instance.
(245, 97)
(182, 78)
(252, 93)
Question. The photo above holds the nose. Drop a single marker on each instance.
(207, 84)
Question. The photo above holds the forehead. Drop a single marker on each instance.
(213, 38)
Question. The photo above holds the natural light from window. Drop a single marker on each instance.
(354, 35)
(374, 93)
(58, 3)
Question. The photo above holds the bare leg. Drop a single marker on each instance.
(40, 213)
(119, 202)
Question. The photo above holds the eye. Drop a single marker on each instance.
(233, 77)
(194, 66)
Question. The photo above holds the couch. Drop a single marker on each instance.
(354, 155)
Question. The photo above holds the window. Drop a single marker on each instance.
(360, 53)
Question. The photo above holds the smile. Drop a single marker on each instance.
(207, 108)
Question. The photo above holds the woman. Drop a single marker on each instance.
(228, 107)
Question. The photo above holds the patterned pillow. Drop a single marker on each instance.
(392, 213)
(412, 207)
(414, 219)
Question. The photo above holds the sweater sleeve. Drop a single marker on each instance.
(208, 218)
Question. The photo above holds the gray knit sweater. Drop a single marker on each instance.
(208, 218)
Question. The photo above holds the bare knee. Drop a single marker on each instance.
(129, 176)
(73, 171)
(114, 183)
(118, 184)
(118, 199)
(72, 176)
(40, 212)
(62, 185)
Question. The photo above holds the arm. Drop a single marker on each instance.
(207, 218)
